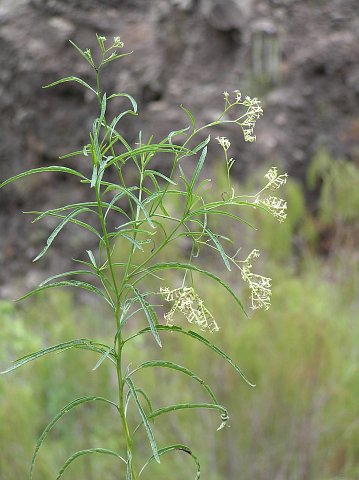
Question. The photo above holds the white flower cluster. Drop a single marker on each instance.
(253, 113)
(274, 180)
(238, 96)
(224, 143)
(188, 302)
(260, 286)
(117, 42)
(276, 206)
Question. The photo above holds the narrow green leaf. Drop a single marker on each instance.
(126, 95)
(71, 154)
(67, 283)
(190, 116)
(81, 343)
(102, 358)
(127, 191)
(115, 57)
(70, 79)
(87, 451)
(141, 392)
(201, 145)
(54, 168)
(103, 112)
(175, 133)
(58, 229)
(159, 174)
(79, 223)
(70, 273)
(57, 417)
(144, 420)
(200, 339)
(132, 240)
(188, 406)
(198, 167)
(150, 314)
(179, 368)
(171, 448)
(224, 213)
(219, 247)
(92, 258)
(115, 121)
(81, 52)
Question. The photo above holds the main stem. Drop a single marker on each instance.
(117, 307)
(120, 380)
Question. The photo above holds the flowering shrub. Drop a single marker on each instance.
(140, 210)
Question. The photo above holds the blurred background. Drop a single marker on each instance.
(300, 57)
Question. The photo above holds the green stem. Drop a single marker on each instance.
(117, 303)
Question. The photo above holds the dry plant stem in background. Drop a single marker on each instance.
(141, 210)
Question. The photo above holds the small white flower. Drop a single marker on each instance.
(274, 180)
(226, 95)
(188, 302)
(238, 95)
(259, 286)
(276, 206)
(117, 42)
(224, 142)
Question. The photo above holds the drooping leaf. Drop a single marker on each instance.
(58, 229)
(126, 95)
(199, 338)
(171, 448)
(87, 451)
(190, 116)
(57, 417)
(179, 368)
(67, 283)
(33, 171)
(70, 79)
(70, 273)
(81, 343)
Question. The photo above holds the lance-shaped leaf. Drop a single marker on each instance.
(70, 79)
(190, 116)
(81, 343)
(33, 171)
(58, 229)
(68, 283)
(150, 314)
(144, 420)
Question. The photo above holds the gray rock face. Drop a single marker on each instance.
(299, 57)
